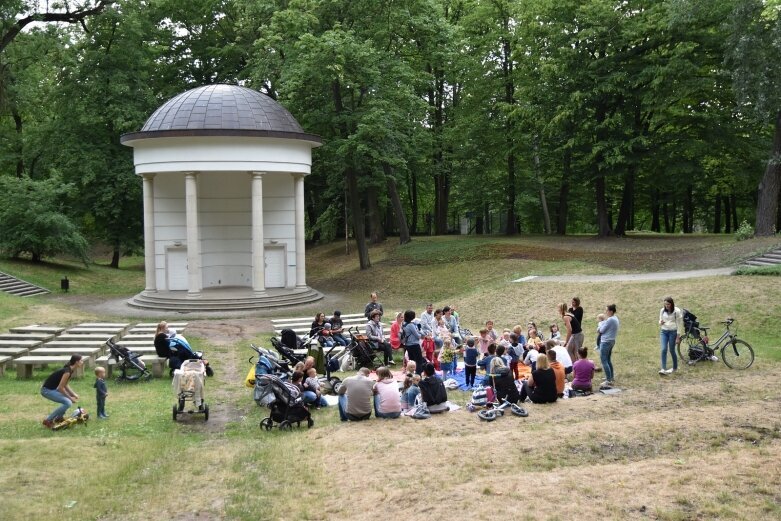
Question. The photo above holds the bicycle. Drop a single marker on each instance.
(735, 353)
(490, 415)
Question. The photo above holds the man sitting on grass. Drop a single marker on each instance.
(356, 396)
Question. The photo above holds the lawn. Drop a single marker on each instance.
(700, 444)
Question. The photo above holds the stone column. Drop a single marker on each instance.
(194, 278)
(150, 268)
(298, 181)
(258, 261)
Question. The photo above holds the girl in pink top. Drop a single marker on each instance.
(395, 341)
(387, 400)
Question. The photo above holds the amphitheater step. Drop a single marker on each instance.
(772, 258)
(20, 288)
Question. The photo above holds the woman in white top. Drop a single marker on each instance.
(671, 327)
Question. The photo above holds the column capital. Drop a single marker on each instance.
(297, 175)
(149, 176)
(257, 174)
(191, 175)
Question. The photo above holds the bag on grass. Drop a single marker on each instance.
(479, 397)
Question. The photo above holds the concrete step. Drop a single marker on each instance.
(760, 263)
(161, 303)
(18, 287)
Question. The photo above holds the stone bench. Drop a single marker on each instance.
(91, 344)
(153, 325)
(308, 324)
(91, 352)
(82, 337)
(29, 344)
(158, 364)
(13, 352)
(138, 337)
(4, 360)
(283, 321)
(43, 337)
(24, 365)
(34, 328)
(94, 331)
(115, 325)
(132, 344)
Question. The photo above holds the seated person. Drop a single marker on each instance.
(337, 329)
(541, 385)
(387, 402)
(530, 359)
(376, 336)
(562, 355)
(311, 389)
(558, 371)
(432, 390)
(583, 370)
(326, 336)
(410, 391)
(534, 338)
(504, 384)
(485, 362)
(356, 396)
(177, 349)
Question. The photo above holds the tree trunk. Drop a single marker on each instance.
(20, 142)
(625, 210)
(398, 209)
(412, 189)
(655, 226)
(561, 217)
(666, 214)
(311, 214)
(358, 218)
(511, 230)
(541, 183)
(734, 206)
(727, 215)
(487, 217)
(479, 225)
(717, 214)
(509, 98)
(688, 210)
(376, 230)
(115, 258)
(768, 190)
(603, 225)
(674, 215)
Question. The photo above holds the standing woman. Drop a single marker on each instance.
(395, 329)
(574, 338)
(410, 336)
(608, 329)
(671, 327)
(56, 389)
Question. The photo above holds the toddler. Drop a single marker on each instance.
(447, 360)
(312, 384)
(554, 332)
(600, 318)
(101, 391)
(484, 341)
(470, 362)
(531, 357)
(515, 351)
(489, 326)
(410, 391)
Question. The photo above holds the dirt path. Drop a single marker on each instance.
(630, 277)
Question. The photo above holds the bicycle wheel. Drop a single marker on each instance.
(737, 354)
(691, 349)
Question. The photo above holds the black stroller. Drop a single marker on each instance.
(285, 345)
(361, 351)
(287, 406)
(267, 363)
(130, 365)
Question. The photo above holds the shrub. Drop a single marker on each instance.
(744, 231)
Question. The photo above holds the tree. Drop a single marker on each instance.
(755, 42)
(34, 221)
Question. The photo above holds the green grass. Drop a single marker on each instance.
(768, 271)
(673, 446)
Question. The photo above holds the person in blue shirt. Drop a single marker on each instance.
(485, 363)
(607, 331)
(470, 361)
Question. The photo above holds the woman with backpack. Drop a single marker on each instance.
(670, 331)
(410, 337)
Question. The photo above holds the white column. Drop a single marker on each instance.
(194, 279)
(258, 262)
(298, 180)
(149, 233)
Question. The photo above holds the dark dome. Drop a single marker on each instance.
(221, 110)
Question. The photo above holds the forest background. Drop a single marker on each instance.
(438, 116)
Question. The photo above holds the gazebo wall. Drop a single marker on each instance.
(225, 229)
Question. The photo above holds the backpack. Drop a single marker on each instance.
(690, 323)
(479, 397)
(403, 333)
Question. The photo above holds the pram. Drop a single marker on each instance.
(286, 344)
(129, 363)
(177, 350)
(360, 350)
(188, 384)
(287, 405)
(267, 363)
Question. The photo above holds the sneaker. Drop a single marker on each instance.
(714, 358)
(48, 423)
(669, 371)
(391, 362)
(103, 416)
(663, 371)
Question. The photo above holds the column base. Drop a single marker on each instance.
(260, 293)
(193, 294)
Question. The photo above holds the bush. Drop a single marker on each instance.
(744, 231)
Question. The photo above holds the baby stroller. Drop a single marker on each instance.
(266, 364)
(361, 352)
(129, 363)
(287, 405)
(177, 350)
(285, 345)
(188, 384)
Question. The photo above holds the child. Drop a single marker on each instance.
(326, 336)
(531, 357)
(554, 332)
(447, 357)
(485, 363)
(410, 391)
(101, 391)
(484, 341)
(470, 362)
(534, 338)
(312, 384)
(515, 351)
(600, 318)
(584, 371)
(504, 340)
(489, 326)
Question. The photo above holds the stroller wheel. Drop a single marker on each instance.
(181, 404)
(309, 423)
(266, 423)
(519, 411)
(176, 411)
(205, 413)
(285, 426)
(487, 415)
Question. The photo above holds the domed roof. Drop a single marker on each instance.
(221, 110)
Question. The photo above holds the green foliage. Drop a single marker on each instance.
(33, 221)
(769, 271)
(744, 231)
